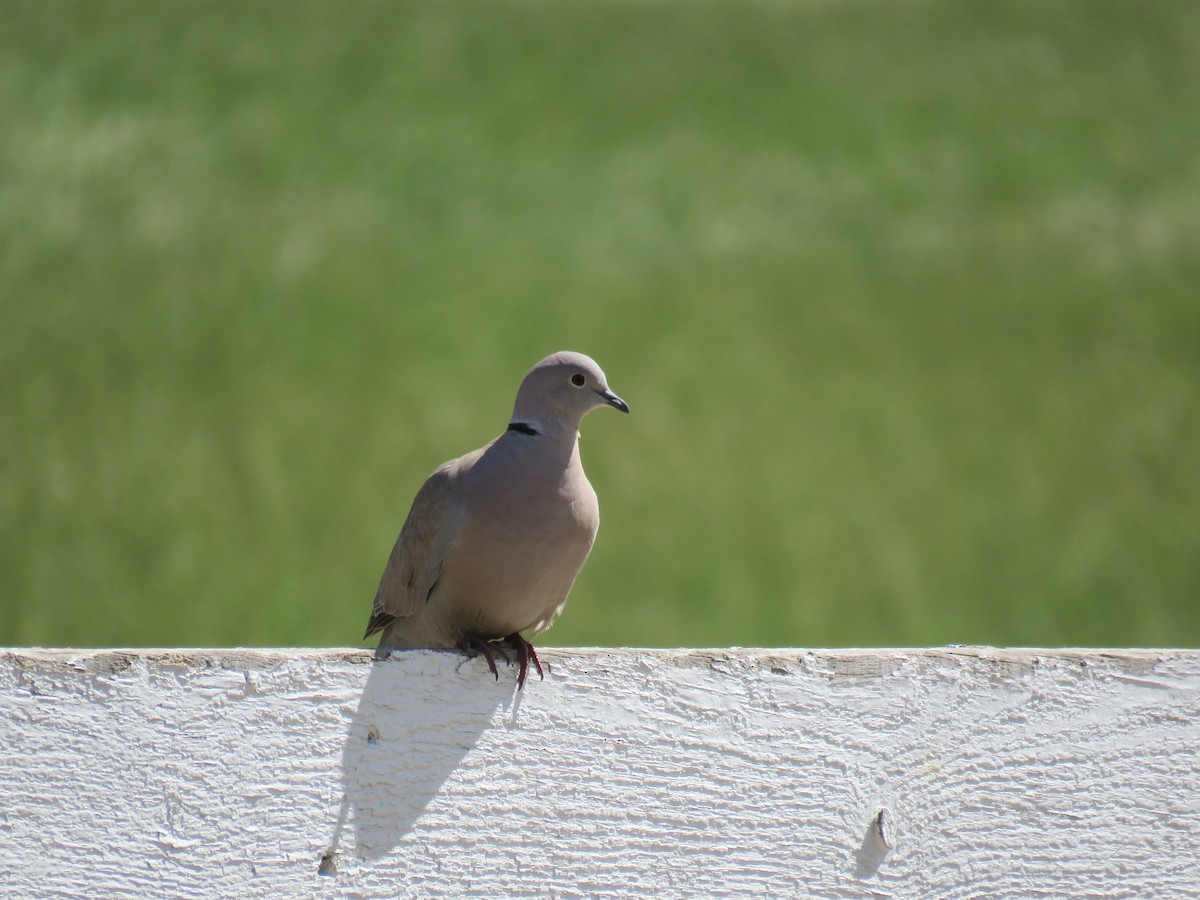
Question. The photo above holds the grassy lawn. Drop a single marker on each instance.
(905, 299)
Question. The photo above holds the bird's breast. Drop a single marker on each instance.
(517, 557)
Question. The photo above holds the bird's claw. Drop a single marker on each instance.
(525, 654)
(488, 649)
(473, 642)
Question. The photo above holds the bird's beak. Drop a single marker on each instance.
(613, 400)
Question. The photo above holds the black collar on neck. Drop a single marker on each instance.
(522, 428)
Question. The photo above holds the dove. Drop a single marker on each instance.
(495, 539)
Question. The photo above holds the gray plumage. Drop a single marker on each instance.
(495, 538)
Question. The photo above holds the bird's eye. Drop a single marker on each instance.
(578, 380)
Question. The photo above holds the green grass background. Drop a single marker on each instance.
(905, 298)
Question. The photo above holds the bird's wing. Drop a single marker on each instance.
(424, 543)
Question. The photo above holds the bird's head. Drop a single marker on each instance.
(560, 390)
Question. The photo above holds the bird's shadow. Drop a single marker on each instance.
(420, 713)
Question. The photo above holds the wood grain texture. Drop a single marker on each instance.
(625, 773)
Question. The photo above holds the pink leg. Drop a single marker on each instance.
(473, 642)
(525, 653)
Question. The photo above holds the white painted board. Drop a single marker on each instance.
(233, 773)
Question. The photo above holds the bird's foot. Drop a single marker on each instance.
(474, 643)
(525, 654)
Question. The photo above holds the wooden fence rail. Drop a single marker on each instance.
(952, 772)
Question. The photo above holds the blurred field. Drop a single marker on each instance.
(905, 298)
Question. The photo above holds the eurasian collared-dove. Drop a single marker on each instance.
(494, 539)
